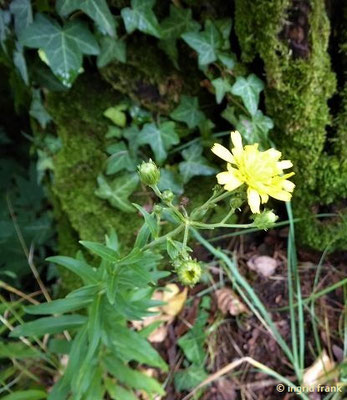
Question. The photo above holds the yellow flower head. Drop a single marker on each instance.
(261, 171)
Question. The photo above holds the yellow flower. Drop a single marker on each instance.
(261, 171)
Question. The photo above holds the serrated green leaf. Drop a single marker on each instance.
(62, 46)
(45, 325)
(169, 180)
(96, 9)
(119, 159)
(195, 163)
(37, 109)
(189, 378)
(160, 138)
(131, 378)
(23, 14)
(205, 43)
(117, 115)
(222, 86)
(150, 220)
(111, 50)
(192, 343)
(118, 191)
(188, 111)
(59, 306)
(78, 267)
(249, 90)
(26, 395)
(141, 16)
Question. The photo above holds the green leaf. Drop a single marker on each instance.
(130, 345)
(227, 59)
(37, 109)
(97, 10)
(249, 90)
(23, 14)
(119, 159)
(20, 63)
(222, 86)
(160, 138)
(117, 392)
(170, 180)
(189, 378)
(141, 16)
(150, 220)
(195, 163)
(5, 19)
(63, 46)
(111, 50)
(132, 378)
(45, 325)
(205, 43)
(188, 112)
(78, 267)
(59, 306)
(118, 191)
(224, 27)
(256, 129)
(17, 350)
(192, 343)
(117, 115)
(142, 237)
(26, 395)
(179, 21)
(94, 326)
(113, 132)
(59, 346)
(100, 250)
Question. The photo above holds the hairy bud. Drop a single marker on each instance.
(149, 173)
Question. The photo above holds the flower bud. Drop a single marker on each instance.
(149, 173)
(265, 220)
(188, 272)
(157, 209)
(168, 196)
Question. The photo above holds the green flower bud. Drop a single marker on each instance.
(265, 220)
(168, 196)
(188, 272)
(157, 209)
(149, 173)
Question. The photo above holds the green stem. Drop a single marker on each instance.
(162, 239)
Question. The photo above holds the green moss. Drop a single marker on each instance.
(297, 94)
(78, 116)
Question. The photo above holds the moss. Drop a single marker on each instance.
(78, 116)
(293, 46)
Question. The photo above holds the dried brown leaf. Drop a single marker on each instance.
(262, 265)
(229, 302)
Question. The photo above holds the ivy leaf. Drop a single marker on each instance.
(23, 14)
(189, 378)
(97, 10)
(224, 26)
(188, 112)
(141, 16)
(117, 115)
(248, 89)
(205, 43)
(256, 129)
(227, 59)
(37, 109)
(5, 19)
(63, 46)
(222, 86)
(20, 63)
(179, 21)
(170, 180)
(160, 138)
(111, 49)
(194, 164)
(118, 191)
(120, 159)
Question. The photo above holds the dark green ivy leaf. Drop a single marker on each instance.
(119, 159)
(111, 50)
(248, 89)
(37, 109)
(222, 86)
(23, 14)
(195, 164)
(141, 16)
(188, 112)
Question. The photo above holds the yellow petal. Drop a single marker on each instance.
(273, 153)
(237, 142)
(288, 185)
(281, 195)
(253, 200)
(264, 198)
(229, 180)
(222, 152)
(284, 164)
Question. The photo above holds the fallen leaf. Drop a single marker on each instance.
(174, 298)
(321, 371)
(263, 265)
(228, 301)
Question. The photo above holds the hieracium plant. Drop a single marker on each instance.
(104, 349)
